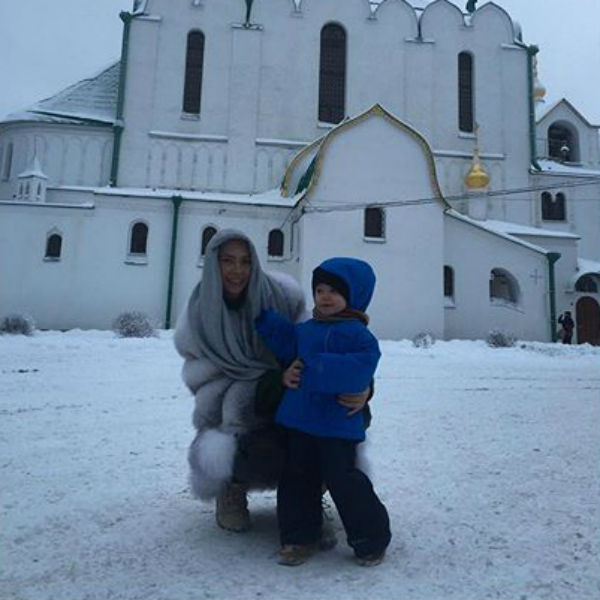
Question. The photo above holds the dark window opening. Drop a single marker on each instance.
(194, 65)
(53, 246)
(448, 281)
(562, 143)
(332, 74)
(587, 284)
(139, 239)
(553, 207)
(374, 222)
(466, 121)
(207, 235)
(275, 247)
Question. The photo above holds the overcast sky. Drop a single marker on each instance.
(46, 45)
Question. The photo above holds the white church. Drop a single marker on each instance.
(412, 134)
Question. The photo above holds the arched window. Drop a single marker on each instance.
(7, 164)
(207, 235)
(275, 247)
(466, 119)
(563, 142)
(503, 286)
(374, 222)
(586, 283)
(194, 66)
(332, 74)
(553, 207)
(448, 282)
(138, 239)
(53, 246)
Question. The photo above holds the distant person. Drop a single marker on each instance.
(333, 353)
(567, 324)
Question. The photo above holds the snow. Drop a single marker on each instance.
(552, 166)
(487, 460)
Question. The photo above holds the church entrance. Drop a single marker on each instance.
(588, 321)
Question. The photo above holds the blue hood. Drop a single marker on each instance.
(359, 278)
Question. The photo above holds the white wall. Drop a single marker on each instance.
(473, 252)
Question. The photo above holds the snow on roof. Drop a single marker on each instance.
(552, 166)
(34, 170)
(585, 266)
(485, 225)
(92, 99)
(269, 198)
(518, 229)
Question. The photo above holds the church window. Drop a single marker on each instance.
(275, 247)
(553, 207)
(332, 74)
(207, 235)
(586, 283)
(138, 238)
(563, 142)
(194, 66)
(503, 287)
(374, 226)
(466, 120)
(53, 246)
(7, 164)
(448, 282)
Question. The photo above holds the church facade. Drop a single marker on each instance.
(411, 134)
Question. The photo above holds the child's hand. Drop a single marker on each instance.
(354, 402)
(291, 376)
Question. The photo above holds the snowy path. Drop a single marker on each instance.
(488, 461)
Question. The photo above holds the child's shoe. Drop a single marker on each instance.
(371, 560)
(292, 555)
(232, 508)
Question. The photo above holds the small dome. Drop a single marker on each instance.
(477, 177)
(539, 92)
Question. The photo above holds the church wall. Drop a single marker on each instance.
(68, 155)
(472, 253)
(260, 84)
(408, 294)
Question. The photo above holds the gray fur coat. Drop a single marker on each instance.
(224, 406)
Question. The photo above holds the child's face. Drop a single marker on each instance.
(328, 300)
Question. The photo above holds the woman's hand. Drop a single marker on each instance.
(354, 402)
(291, 376)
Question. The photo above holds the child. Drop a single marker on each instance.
(339, 356)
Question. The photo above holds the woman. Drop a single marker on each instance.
(235, 448)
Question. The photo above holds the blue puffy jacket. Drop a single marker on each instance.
(339, 357)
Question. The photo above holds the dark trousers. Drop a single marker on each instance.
(310, 462)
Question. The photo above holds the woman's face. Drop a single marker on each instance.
(235, 264)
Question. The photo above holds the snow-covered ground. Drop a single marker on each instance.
(487, 459)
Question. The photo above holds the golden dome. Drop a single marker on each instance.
(477, 177)
(539, 92)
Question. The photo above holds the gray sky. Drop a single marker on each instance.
(46, 45)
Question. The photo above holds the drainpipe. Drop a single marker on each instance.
(177, 200)
(118, 125)
(531, 52)
(552, 258)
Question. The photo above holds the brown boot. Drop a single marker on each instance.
(232, 508)
(292, 555)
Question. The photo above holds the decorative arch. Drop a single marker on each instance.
(563, 142)
(332, 74)
(138, 238)
(587, 283)
(504, 286)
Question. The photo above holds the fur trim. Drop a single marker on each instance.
(211, 458)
